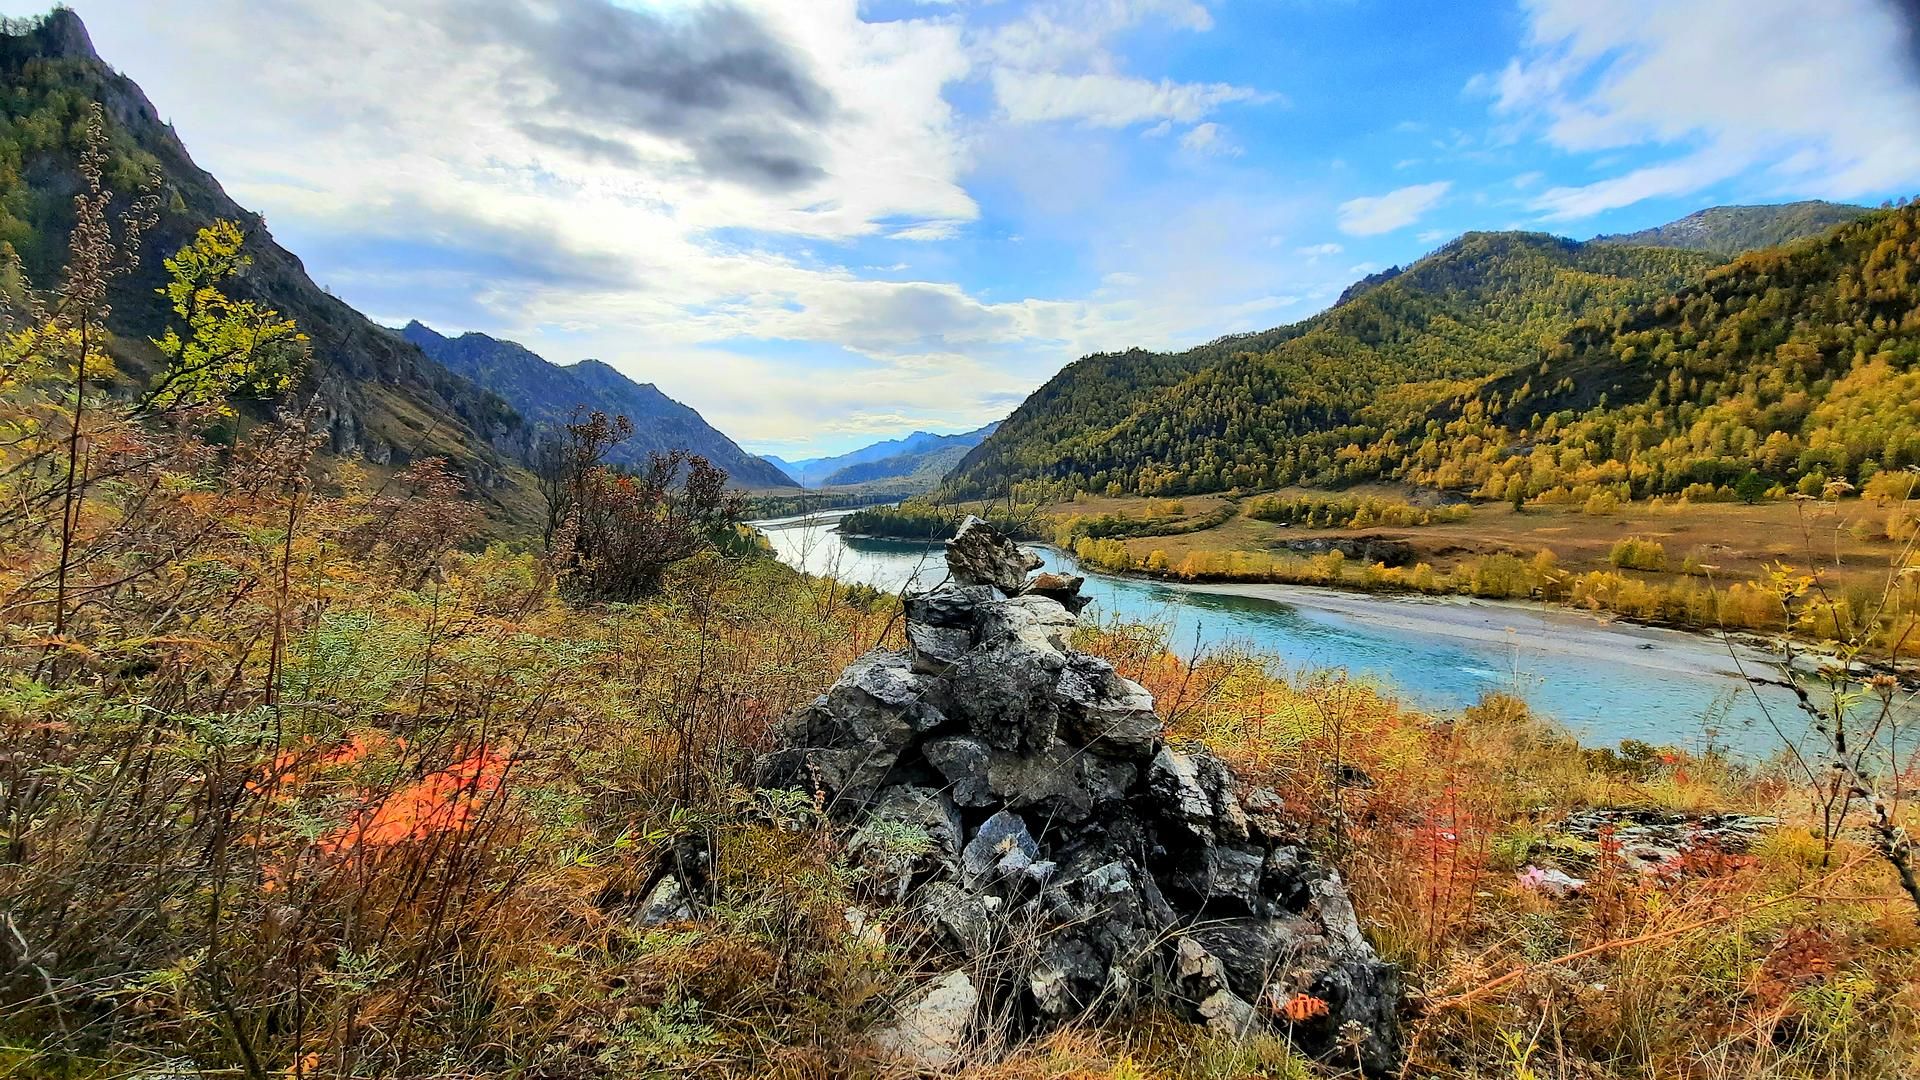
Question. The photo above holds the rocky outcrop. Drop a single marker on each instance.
(1021, 800)
(1386, 550)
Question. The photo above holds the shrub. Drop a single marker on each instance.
(1635, 553)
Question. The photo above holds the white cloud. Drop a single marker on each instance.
(1053, 63)
(1371, 215)
(444, 180)
(1111, 101)
(1318, 250)
(1825, 99)
(1208, 139)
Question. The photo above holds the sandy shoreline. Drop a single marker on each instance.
(1531, 628)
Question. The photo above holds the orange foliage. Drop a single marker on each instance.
(286, 772)
(445, 801)
(1301, 1008)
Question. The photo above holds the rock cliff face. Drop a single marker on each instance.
(1020, 798)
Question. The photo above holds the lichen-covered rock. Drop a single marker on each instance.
(979, 555)
(1020, 800)
(932, 1031)
(1063, 589)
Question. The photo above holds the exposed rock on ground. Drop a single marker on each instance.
(1650, 840)
(1020, 799)
(931, 1033)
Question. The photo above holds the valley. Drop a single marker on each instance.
(1501, 665)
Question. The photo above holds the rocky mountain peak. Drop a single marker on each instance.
(1021, 800)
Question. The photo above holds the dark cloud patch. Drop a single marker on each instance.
(713, 80)
(585, 143)
(1908, 12)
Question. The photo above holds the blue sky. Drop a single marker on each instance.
(826, 222)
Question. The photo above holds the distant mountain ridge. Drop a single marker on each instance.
(547, 394)
(890, 459)
(1735, 230)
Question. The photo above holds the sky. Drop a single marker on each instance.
(826, 222)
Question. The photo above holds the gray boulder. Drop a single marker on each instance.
(910, 832)
(979, 555)
(1062, 589)
(1001, 848)
(1104, 712)
(932, 1032)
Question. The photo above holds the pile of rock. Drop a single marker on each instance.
(1020, 799)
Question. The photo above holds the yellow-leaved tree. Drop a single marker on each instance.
(228, 346)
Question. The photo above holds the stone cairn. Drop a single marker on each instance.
(1019, 800)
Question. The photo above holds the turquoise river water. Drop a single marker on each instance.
(1606, 681)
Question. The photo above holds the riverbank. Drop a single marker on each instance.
(1539, 627)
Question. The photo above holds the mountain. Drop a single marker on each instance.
(380, 397)
(1298, 404)
(921, 455)
(1732, 230)
(1800, 363)
(1516, 365)
(547, 394)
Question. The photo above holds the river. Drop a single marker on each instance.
(1605, 681)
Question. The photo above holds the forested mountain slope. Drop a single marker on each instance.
(1733, 230)
(547, 394)
(380, 396)
(1293, 405)
(1515, 365)
(1797, 362)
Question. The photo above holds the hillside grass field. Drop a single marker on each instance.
(1702, 566)
(1740, 541)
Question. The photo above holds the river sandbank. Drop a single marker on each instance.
(1534, 628)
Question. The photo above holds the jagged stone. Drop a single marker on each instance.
(1059, 783)
(666, 903)
(936, 648)
(1032, 620)
(979, 555)
(1063, 589)
(911, 832)
(1002, 835)
(950, 606)
(1068, 978)
(1228, 1014)
(1174, 782)
(1653, 840)
(1003, 694)
(962, 760)
(847, 744)
(1104, 712)
(970, 921)
(932, 1032)
(1105, 864)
